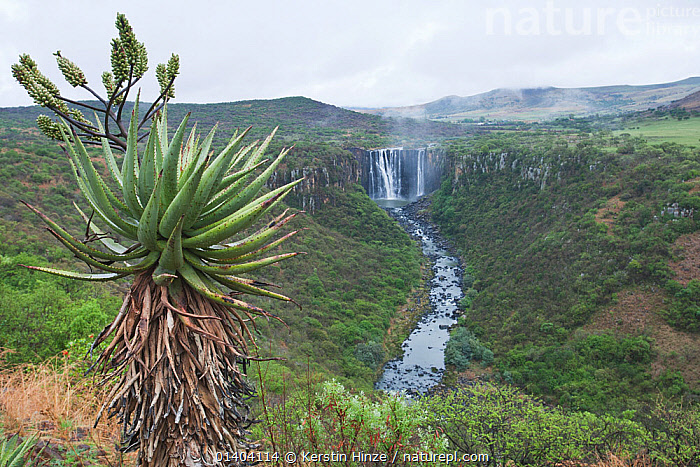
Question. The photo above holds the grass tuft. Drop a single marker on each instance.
(55, 401)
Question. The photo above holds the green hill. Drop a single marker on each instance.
(574, 239)
(299, 118)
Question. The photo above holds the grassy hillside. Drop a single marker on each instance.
(572, 237)
(300, 119)
(665, 129)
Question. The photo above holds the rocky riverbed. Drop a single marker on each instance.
(422, 364)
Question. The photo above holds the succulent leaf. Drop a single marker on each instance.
(109, 157)
(238, 221)
(199, 163)
(181, 203)
(243, 197)
(235, 268)
(256, 253)
(129, 166)
(162, 141)
(148, 224)
(120, 227)
(210, 178)
(248, 244)
(260, 152)
(144, 264)
(170, 163)
(66, 237)
(99, 277)
(104, 238)
(229, 185)
(147, 172)
(172, 257)
(199, 283)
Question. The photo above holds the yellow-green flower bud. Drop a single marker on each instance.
(120, 67)
(49, 127)
(45, 82)
(21, 74)
(122, 24)
(108, 82)
(40, 95)
(77, 115)
(162, 77)
(173, 66)
(161, 71)
(134, 58)
(26, 61)
(26, 73)
(141, 64)
(70, 70)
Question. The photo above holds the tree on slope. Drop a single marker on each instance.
(176, 351)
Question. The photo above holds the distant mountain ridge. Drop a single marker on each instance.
(299, 118)
(546, 103)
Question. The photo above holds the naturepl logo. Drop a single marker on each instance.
(554, 20)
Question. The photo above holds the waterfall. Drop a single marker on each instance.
(400, 174)
(420, 184)
(385, 183)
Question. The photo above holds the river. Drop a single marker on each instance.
(422, 364)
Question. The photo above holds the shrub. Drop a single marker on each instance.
(328, 418)
(515, 429)
(463, 347)
(371, 354)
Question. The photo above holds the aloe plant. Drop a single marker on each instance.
(177, 348)
(14, 454)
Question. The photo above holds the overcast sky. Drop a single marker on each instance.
(361, 53)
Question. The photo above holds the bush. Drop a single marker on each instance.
(463, 347)
(466, 302)
(328, 418)
(674, 433)
(41, 314)
(684, 312)
(371, 354)
(515, 429)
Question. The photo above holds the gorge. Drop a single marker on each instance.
(422, 364)
(393, 177)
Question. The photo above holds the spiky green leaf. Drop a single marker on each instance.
(98, 277)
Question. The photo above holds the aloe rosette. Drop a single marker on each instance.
(178, 203)
(177, 347)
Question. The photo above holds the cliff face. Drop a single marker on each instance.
(524, 168)
(321, 179)
(419, 172)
